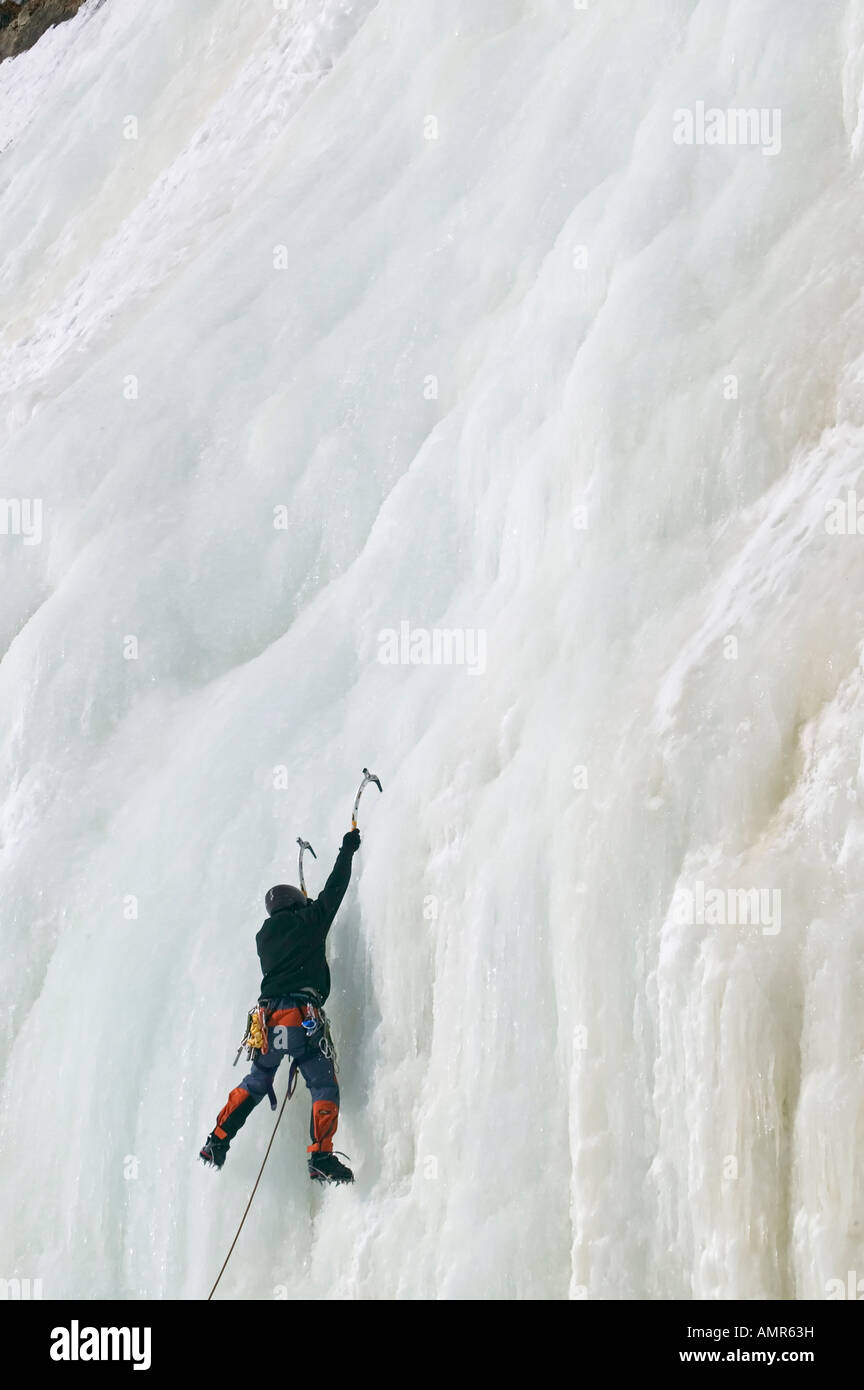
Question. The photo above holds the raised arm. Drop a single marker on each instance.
(326, 905)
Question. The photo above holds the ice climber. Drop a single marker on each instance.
(295, 985)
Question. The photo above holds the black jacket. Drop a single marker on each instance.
(291, 943)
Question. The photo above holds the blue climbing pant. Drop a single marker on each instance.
(287, 1037)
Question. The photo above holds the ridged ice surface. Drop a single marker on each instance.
(437, 280)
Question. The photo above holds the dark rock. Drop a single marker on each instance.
(8, 12)
(23, 25)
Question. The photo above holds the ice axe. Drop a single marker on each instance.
(304, 844)
(367, 778)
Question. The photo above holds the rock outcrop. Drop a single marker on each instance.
(22, 25)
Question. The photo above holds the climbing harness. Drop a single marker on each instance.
(255, 1042)
(317, 1023)
(327, 1046)
(311, 1023)
(255, 1036)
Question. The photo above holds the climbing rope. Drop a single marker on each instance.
(287, 1097)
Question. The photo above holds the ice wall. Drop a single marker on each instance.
(434, 283)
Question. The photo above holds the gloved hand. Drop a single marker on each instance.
(351, 841)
